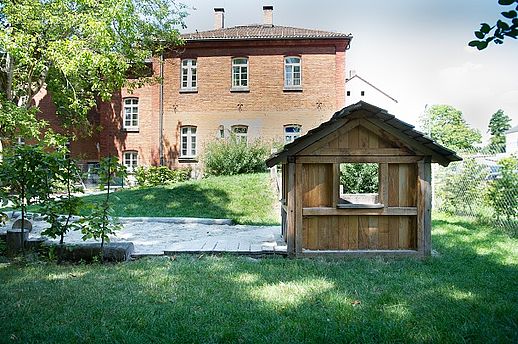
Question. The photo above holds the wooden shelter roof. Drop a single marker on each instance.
(381, 118)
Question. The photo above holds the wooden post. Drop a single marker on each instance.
(424, 207)
(383, 184)
(336, 185)
(298, 208)
(290, 232)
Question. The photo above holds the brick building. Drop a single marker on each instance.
(258, 81)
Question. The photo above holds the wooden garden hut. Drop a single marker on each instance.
(319, 218)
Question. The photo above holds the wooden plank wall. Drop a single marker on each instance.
(358, 138)
(359, 232)
(317, 185)
(402, 185)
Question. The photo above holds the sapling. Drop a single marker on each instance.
(100, 223)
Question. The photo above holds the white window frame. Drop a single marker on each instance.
(130, 160)
(238, 70)
(189, 73)
(131, 104)
(188, 135)
(289, 72)
(291, 136)
(238, 132)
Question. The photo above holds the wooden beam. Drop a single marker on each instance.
(336, 184)
(351, 124)
(424, 207)
(332, 159)
(361, 253)
(411, 143)
(290, 211)
(364, 151)
(328, 211)
(383, 184)
(298, 208)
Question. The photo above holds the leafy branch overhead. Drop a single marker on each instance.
(496, 33)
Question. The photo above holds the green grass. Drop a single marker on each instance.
(246, 199)
(469, 293)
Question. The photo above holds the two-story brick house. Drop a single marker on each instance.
(258, 81)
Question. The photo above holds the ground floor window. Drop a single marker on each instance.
(291, 132)
(241, 132)
(130, 160)
(359, 183)
(188, 142)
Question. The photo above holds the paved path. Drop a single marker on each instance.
(151, 237)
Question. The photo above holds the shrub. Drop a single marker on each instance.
(234, 156)
(502, 193)
(359, 177)
(160, 175)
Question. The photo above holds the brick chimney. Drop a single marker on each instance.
(268, 15)
(219, 18)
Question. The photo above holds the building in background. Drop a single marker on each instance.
(360, 89)
(511, 140)
(257, 81)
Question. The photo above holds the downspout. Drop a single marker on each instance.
(161, 112)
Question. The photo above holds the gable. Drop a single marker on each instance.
(357, 137)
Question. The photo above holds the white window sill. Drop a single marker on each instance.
(240, 89)
(292, 88)
(131, 129)
(189, 90)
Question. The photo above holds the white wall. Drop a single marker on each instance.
(371, 95)
(511, 143)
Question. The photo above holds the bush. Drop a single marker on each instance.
(234, 156)
(502, 193)
(160, 175)
(359, 177)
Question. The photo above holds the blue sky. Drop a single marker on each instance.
(415, 50)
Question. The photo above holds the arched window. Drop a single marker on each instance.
(291, 132)
(292, 72)
(130, 160)
(130, 111)
(188, 142)
(240, 73)
(241, 132)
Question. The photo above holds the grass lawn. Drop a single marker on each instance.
(246, 199)
(469, 293)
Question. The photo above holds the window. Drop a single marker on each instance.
(348, 93)
(359, 184)
(188, 142)
(189, 80)
(130, 113)
(130, 160)
(221, 132)
(292, 75)
(362, 93)
(291, 132)
(240, 73)
(20, 140)
(241, 132)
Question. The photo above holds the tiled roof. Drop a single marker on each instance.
(260, 32)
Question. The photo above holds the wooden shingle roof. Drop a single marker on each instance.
(385, 121)
(262, 32)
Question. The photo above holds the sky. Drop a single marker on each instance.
(414, 50)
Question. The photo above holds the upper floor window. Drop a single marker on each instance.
(130, 113)
(292, 74)
(291, 132)
(241, 132)
(240, 73)
(189, 80)
(130, 160)
(188, 142)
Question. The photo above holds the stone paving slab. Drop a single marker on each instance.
(154, 238)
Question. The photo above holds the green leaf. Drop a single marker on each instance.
(505, 2)
(482, 45)
(473, 43)
(502, 25)
(479, 34)
(485, 28)
(511, 14)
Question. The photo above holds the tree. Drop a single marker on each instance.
(507, 27)
(503, 191)
(498, 124)
(359, 177)
(446, 125)
(100, 223)
(81, 51)
(24, 173)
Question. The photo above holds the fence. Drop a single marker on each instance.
(483, 187)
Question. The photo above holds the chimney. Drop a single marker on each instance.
(219, 18)
(268, 15)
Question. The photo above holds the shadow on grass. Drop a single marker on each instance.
(462, 295)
